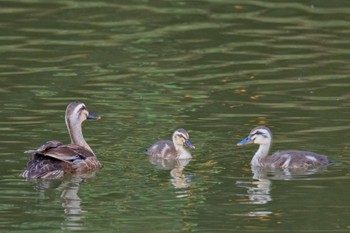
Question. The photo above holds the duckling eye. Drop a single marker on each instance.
(253, 136)
(181, 137)
(260, 133)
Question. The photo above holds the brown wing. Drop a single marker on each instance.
(48, 145)
(68, 153)
(53, 159)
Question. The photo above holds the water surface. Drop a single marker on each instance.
(215, 68)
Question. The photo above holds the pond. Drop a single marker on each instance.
(217, 69)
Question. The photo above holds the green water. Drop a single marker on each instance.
(215, 68)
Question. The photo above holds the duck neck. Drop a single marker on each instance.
(182, 153)
(260, 156)
(76, 135)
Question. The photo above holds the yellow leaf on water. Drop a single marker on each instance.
(262, 121)
(210, 163)
(256, 97)
(241, 90)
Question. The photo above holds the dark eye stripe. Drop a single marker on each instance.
(257, 133)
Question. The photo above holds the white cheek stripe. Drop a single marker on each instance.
(77, 109)
(76, 112)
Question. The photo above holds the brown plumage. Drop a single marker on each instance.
(54, 159)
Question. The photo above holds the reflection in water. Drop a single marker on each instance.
(258, 193)
(213, 67)
(259, 190)
(71, 203)
(70, 200)
(178, 179)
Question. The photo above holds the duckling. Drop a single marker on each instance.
(54, 159)
(174, 149)
(282, 159)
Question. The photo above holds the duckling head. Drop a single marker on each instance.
(260, 135)
(181, 138)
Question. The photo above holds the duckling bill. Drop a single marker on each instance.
(282, 159)
(55, 159)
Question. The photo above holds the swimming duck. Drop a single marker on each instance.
(174, 149)
(54, 159)
(282, 159)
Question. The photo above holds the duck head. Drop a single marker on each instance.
(77, 112)
(260, 135)
(181, 138)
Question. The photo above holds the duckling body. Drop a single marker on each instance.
(174, 149)
(54, 159)
(282, 159)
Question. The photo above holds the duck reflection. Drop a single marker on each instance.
(71, 202)
(259, 189)
(178, 179)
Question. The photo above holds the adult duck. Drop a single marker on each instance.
(174, 149)
(282, 159)
(54, 159)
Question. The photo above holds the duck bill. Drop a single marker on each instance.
(245, 141)
(189, 144)
(92, 116)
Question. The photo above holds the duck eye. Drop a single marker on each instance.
(83, 108)
(181, 137)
